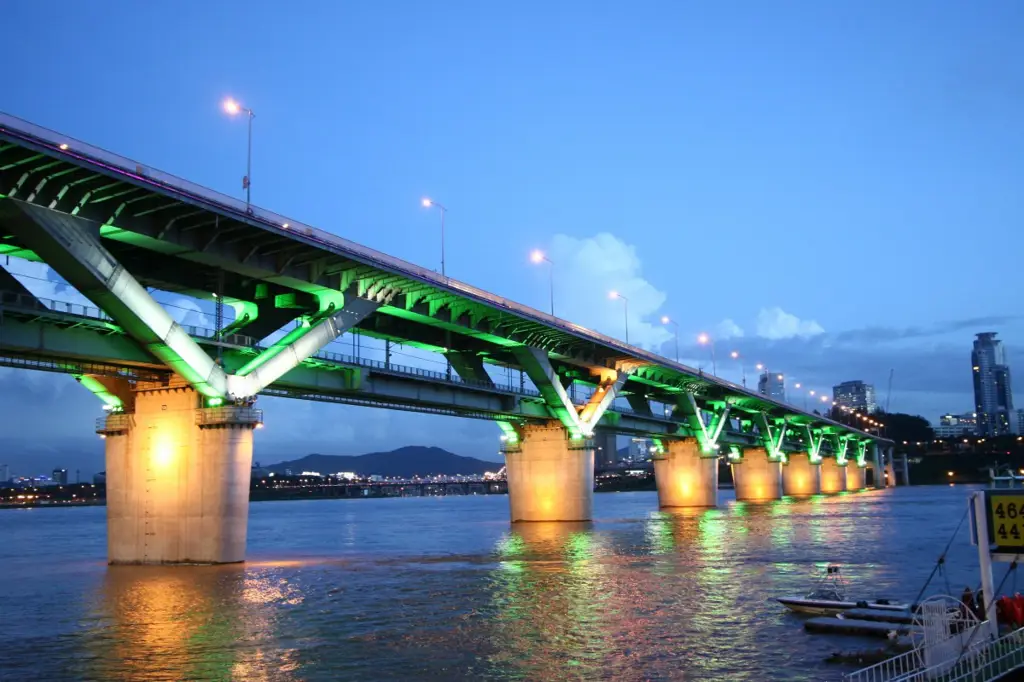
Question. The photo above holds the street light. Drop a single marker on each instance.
(702, 339)
(538, 256)
(666, 320)
(427, 203)
(735, 355)
(625, 309)
(233, 108)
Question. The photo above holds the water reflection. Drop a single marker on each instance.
(199, 623)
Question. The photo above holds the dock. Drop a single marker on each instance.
(853, 626)
(880, 615)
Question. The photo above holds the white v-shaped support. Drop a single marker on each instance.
(708, 437)
(772, 438)
(813, 444)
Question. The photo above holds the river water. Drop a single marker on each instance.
(444, 588)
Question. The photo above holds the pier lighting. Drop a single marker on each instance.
(625, 309)
(427, 203)
(538, 257)
(703, 339)
(665, 319)
(233, 108)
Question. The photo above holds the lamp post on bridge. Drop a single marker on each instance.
(625, 309)
(735, 355)
(234, 108)
(427, 203)
(675, 333)
(703, 339)
(538, 256)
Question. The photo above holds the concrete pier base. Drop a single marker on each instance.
(757, 478)
(890, 474)
(833, 476)
(177, 480)
(684, 477)
(550, 478)
(855, 477)
(801, 478)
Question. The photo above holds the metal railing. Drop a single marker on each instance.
(229, 414)
(31, 303)
(59, 145)
(114, 423)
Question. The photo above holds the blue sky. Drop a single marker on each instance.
(840, 181)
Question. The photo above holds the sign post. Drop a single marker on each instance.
(998, 529)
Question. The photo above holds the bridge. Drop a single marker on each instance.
(180, 421)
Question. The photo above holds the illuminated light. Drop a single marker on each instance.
(702, 338)
(949, 473)
(796, 386)
(214, 402)
(665, 320)
(812, 392)
(734, 355)
(64, 147)
(285, 226)
(427, 203)
(260, 425)
(824, 398)
(231, 106)
(537, 256)
(759, 366)
(613, 294)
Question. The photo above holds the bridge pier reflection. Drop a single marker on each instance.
(856, 478)
(833, 476)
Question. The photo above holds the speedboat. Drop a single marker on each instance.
(829, 598)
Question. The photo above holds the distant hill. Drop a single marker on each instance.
(407, 461)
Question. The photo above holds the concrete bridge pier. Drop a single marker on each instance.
(833, 476)
(685, 476)
(856, 478)
(757, 478)
(550, 476)
(800, 476)
(177, 479)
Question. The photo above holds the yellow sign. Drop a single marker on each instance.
(1007, 515)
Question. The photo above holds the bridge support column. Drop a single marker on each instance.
(684, 477)
(833, 476)
(756, 477)
(855, 477)
(550, 476)
(800, 476)
(178, 480)
(877, 456)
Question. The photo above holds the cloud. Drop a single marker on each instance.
(727, 329)
(591, 267)
(776, 323)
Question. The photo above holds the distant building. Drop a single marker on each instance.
(855, 395)
(993, 397)
(956, 425)
(772, 385)
(1020, 423)
(606, 449)
(5, 473)
(60, 476)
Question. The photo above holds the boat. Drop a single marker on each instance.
(829, 598)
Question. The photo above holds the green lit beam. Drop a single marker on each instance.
(100, 391)
(814, 444)
(772, 441)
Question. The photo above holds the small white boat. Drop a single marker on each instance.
(829, 598)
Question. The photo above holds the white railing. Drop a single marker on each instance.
(61, 145)
(981, 662)
(890, 669)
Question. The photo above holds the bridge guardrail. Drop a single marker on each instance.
(229, 414)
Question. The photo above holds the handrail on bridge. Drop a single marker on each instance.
(59, 145)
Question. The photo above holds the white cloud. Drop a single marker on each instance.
(728, 329)
(776, 323)
(588, 269)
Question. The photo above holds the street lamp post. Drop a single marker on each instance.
(735, 355)
(675, 334)
(233, 107)
(625, 310)
(539, 256)
(703, 338)
(427, 203)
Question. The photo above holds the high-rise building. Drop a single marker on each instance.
(855, 395)
(60, 476)
(772, 385)
(956, 425)
(993, 398)
(5, 473)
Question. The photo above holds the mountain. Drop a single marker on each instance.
(407, 461)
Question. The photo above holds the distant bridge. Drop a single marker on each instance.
(180, 398)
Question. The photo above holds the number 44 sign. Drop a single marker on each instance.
(1006, 519)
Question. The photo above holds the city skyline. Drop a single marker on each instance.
(619, 185)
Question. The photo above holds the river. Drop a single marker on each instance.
(443, 588)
